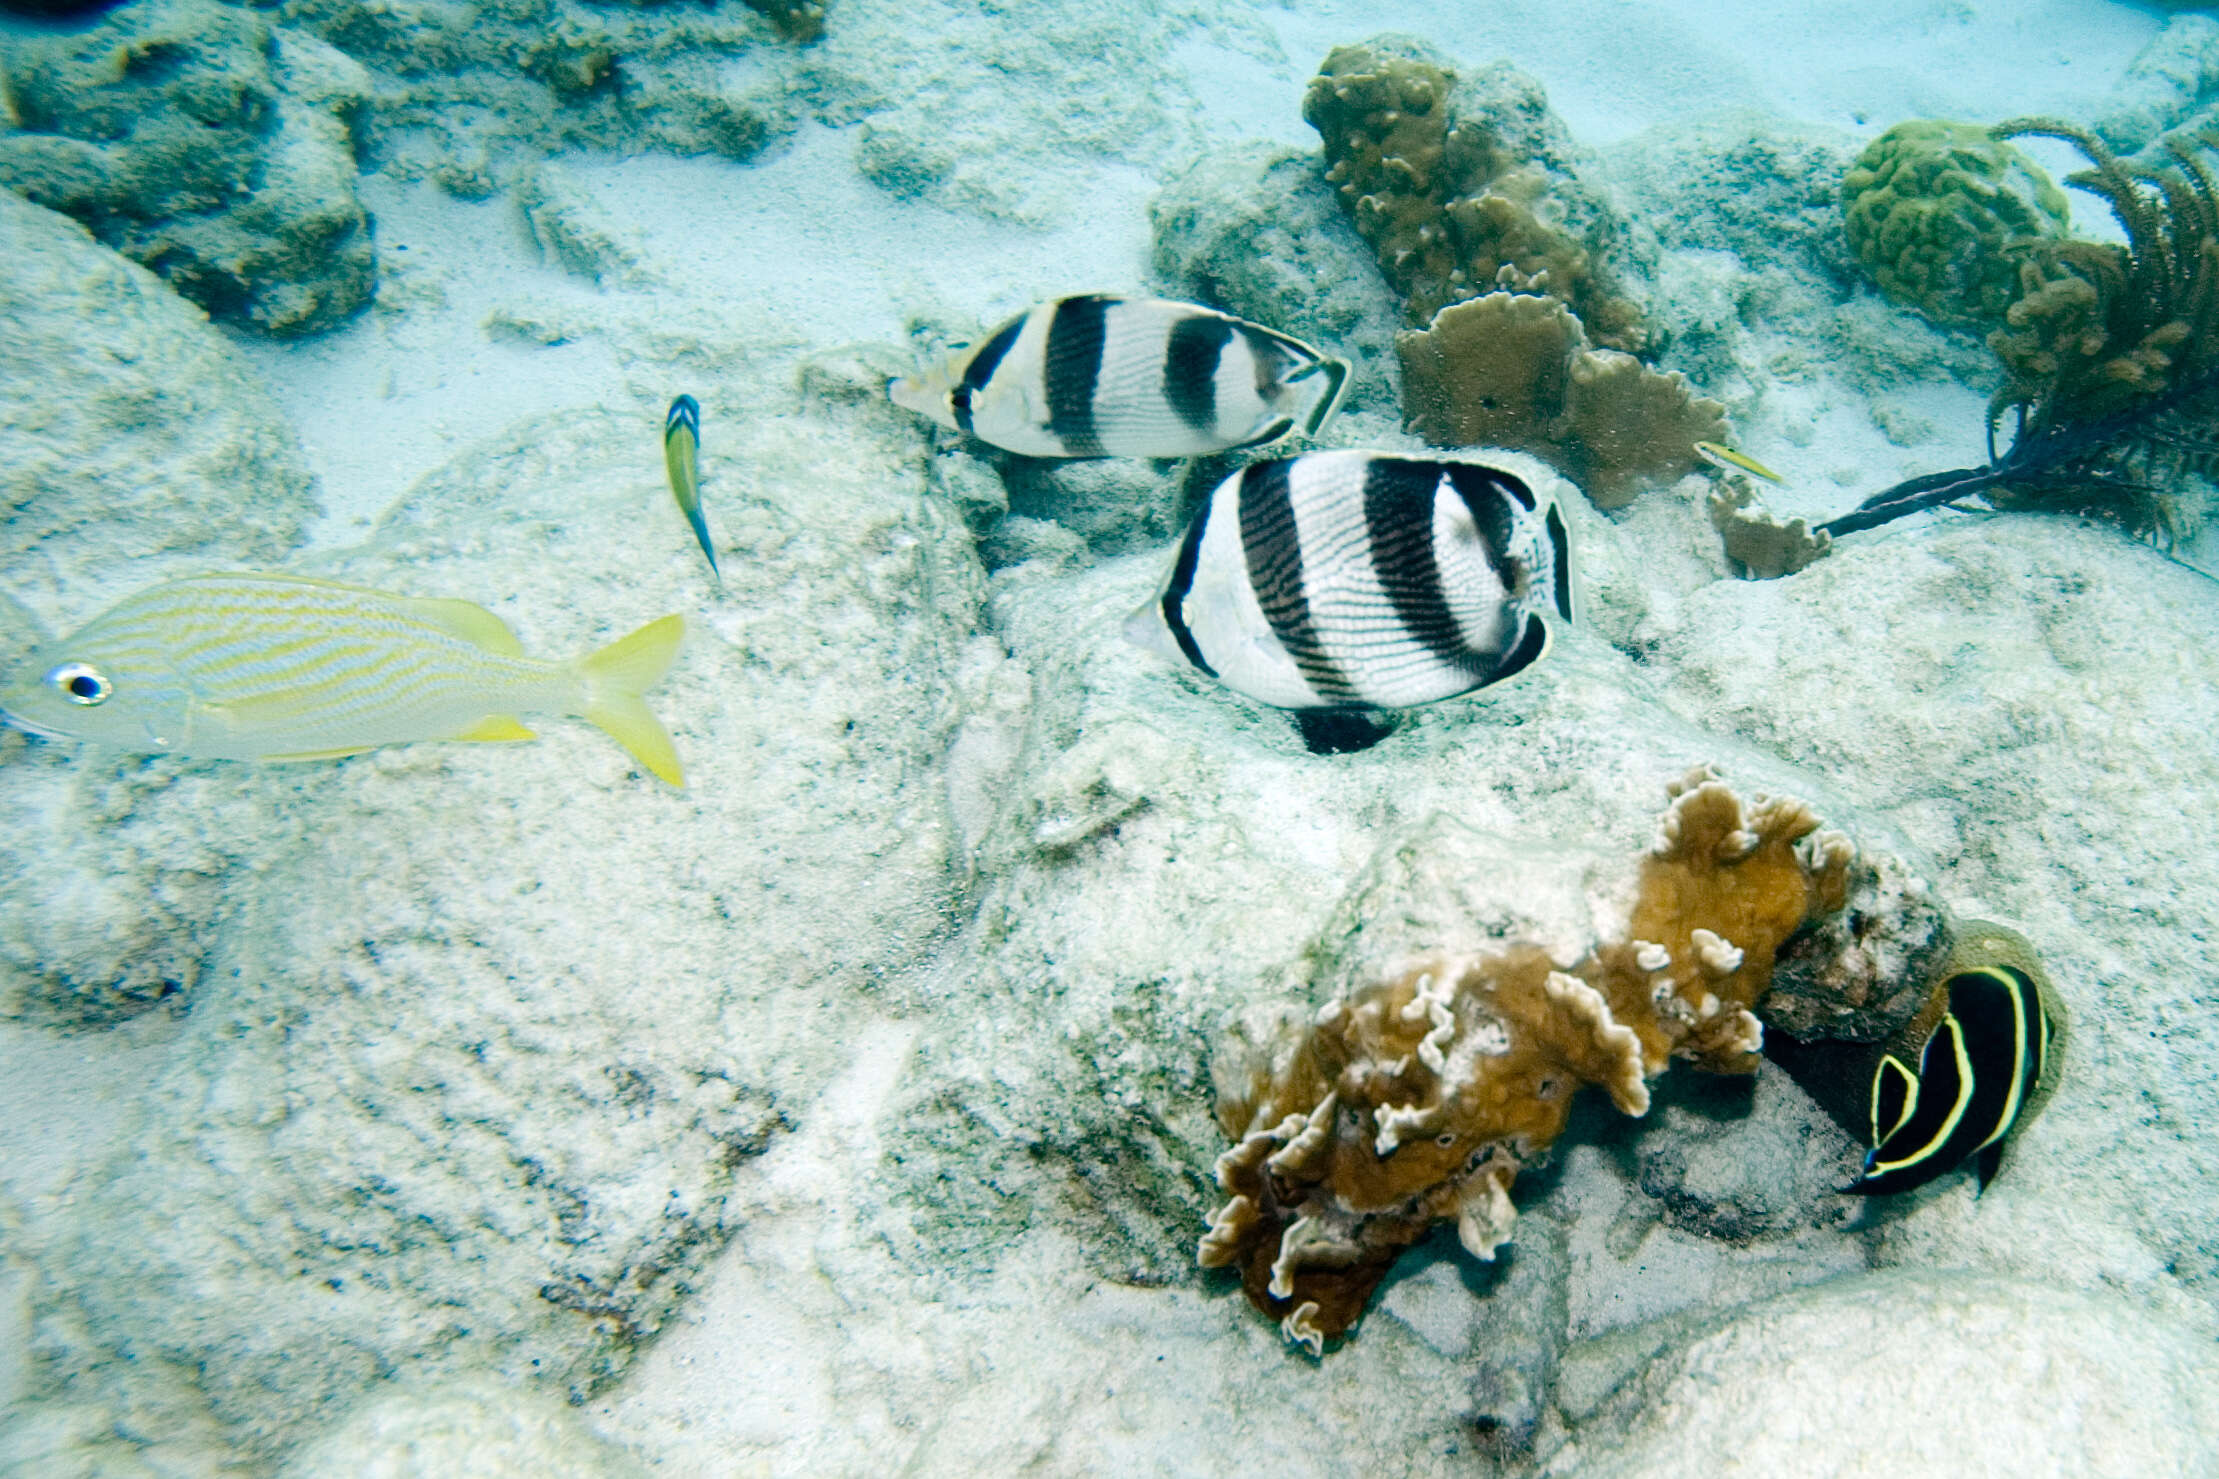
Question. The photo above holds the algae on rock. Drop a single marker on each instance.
(137, 444)
(208, 145)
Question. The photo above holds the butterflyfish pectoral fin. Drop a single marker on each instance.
(496, 729)
(617, 676)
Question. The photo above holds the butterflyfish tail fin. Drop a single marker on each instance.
(616, 679)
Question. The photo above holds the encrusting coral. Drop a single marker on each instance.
(1516, 370)
(2110, 354)
(1449, 208)
(1930, 208)
(1420, 1096)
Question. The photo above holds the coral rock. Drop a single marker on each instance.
(207, 145)
(1420, 1096)
(1451, 203)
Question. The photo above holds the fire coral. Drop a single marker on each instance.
(1420, 1096)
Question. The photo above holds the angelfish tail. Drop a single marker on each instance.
(617, 677)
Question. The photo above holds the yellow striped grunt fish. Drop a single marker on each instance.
(249, 666)
(1978, 1062)
(682, 460)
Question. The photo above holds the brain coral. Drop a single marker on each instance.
(1420, 1096)
(1930, 207)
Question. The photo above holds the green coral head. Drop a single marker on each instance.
(1931, 208)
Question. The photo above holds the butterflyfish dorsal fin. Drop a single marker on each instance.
(467, 620)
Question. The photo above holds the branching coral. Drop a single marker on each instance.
(1449, 208)
(1515, 370)
(1930, 207)
(1420, 1096)
(2111, 354)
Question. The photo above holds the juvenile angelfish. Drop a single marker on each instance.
(1128, 377)
(1977, 1062)
(682, 460)
(1363, 580)
(278, 667)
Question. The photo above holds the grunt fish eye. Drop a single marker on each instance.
(81, 683)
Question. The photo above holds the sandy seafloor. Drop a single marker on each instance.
(849, 1112)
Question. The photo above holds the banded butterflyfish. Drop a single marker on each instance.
(1128, 377)
(1978, 1062)
(1353, 581)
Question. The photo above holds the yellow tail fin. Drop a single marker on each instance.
(617, 676)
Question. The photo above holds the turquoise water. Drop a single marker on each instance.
(857, 1106)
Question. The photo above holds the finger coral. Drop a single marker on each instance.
(1451, 208)
(1420, 1096)
(1516, 370)
(1930, 208)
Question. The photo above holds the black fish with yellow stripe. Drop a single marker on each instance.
(1098, 376)
(1977, 1063)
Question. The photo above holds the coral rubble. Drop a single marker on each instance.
(1930, 207)
(1516, 370)
(1419, 1096)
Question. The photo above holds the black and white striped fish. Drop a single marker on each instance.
(1974, 1065)
(1363, 580)
(1128, 377)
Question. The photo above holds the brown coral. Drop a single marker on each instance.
(1760, 546)
(1516, 370)
(1420, 1096)
(1451, 212)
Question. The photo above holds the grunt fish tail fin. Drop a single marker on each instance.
(617, 677)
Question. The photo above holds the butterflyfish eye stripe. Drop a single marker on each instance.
(1175, 595)
(1398, 518)
(1560, 552)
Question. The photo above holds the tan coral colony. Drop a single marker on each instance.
(1420, 1096)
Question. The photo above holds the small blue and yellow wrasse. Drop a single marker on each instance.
(1718, 455)
(279, 667)
(682, 460)
(1979, 1060)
